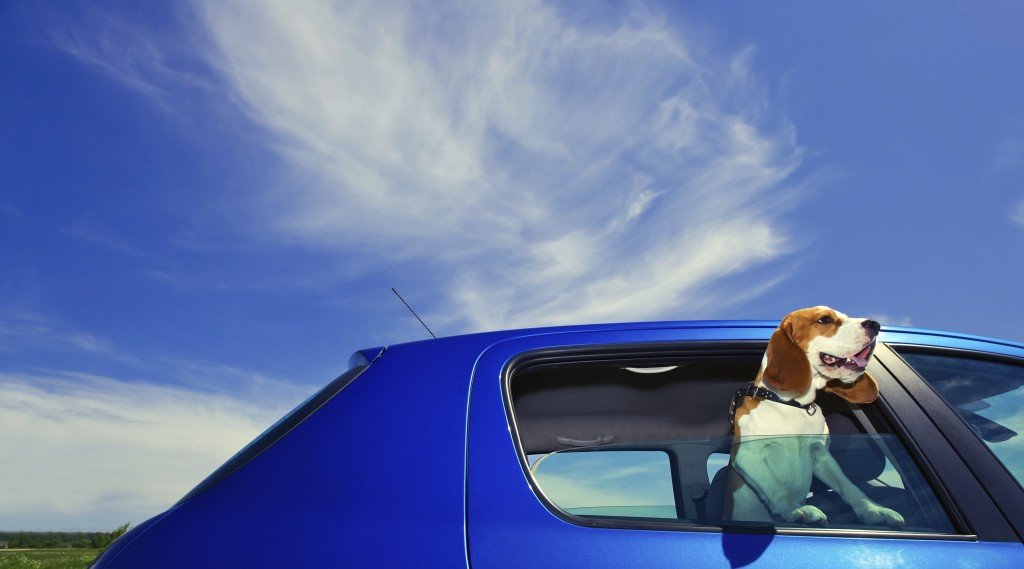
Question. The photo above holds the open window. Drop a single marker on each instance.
(645, 440)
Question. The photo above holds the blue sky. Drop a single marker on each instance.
(609, 478)
(204, 205)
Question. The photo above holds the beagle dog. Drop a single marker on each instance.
(812, 349)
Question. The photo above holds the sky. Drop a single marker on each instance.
(204, 205)
(607, 478)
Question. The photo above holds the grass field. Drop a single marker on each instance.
(47, 558)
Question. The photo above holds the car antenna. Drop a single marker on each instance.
(413, 312)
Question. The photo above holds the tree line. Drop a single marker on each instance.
(46, 539)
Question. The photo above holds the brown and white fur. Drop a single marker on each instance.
(812, 349)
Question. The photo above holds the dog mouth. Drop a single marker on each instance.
(856, 362)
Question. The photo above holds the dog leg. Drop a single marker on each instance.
(752, 464)
(828, 471)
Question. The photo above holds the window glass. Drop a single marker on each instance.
(608, 483)
(989, 396)
(618, 482)
(890, 476)
(609, 445)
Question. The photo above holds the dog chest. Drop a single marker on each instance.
(770, 418)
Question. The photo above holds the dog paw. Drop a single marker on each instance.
(874, 514)
(807, 515)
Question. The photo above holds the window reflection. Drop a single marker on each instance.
(988, 395)
(608, 483)
(685, 480)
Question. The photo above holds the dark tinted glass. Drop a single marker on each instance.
(989, 395)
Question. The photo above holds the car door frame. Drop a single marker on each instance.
(1002, 487)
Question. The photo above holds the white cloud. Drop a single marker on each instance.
(547, 168)
(1017, 215)
(222, 379)
(147, 59)
(1008, 154)
(11, 211)
(90, 232)
(886, 319)
(88, 452)
(553, 171)
(22, 329)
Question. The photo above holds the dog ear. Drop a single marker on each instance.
(787, 370)
(862, 391)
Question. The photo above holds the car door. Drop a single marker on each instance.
(511, 522)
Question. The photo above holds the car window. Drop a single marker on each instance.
(989, 395)
(631, 483)
(627, 447)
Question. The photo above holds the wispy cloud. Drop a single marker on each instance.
(89, 231)
(23, 328)
(526, 165)
(11, 211)
(90, 452)
(233, 381)
(1008, 154)
(552, 171)
(1007, 157)
(147, 59)
(886, 319)
(1017, 215)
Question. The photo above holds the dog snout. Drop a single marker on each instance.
(871, 327)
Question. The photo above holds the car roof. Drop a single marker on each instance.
(890, 334)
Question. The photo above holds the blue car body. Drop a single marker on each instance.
(412, 463)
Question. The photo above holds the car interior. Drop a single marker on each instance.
(679, 404)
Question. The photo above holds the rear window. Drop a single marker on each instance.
(647, 443)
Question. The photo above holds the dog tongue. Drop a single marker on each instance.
(861, 359)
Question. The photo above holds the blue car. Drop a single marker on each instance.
(605, 446)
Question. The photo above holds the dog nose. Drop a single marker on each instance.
(872, 327)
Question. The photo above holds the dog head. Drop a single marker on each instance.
(822, 341)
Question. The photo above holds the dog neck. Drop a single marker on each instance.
(818, 381)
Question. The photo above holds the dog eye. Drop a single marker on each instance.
(825, 320)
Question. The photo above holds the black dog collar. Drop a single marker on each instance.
(763, 393)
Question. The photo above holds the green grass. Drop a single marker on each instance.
(47, 558)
